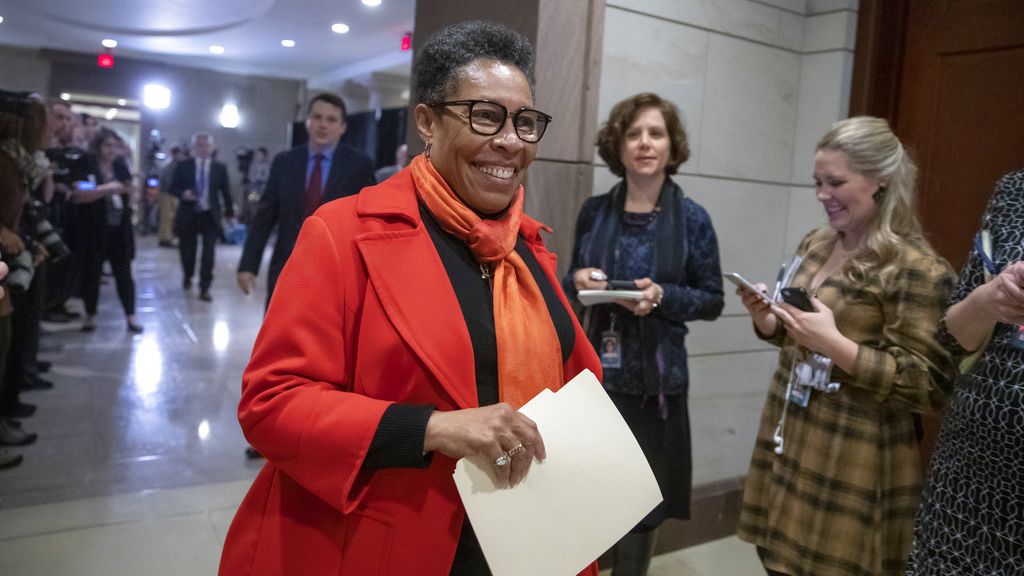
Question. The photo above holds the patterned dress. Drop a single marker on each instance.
(971, 519)
(840, 499)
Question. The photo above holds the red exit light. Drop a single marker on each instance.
(407, 42)
(105, 60)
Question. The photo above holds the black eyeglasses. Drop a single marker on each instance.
(486, 119)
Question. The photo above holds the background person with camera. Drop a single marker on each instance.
(27, 240)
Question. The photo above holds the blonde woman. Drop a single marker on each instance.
(835, 475)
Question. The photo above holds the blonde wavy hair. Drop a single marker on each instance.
(873, 151)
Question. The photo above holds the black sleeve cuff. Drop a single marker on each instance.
(398, 442)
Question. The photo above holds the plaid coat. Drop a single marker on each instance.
(840, 500)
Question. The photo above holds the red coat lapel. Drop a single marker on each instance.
(410, 281)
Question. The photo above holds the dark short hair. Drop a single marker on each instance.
(329, 98)
(622, 116)
(437, 70)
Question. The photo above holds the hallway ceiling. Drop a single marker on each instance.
(250, 31)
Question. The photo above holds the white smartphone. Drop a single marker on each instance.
(746, 285)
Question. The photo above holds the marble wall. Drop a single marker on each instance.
(757, 82)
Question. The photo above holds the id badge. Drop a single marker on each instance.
(799, 395)
(611, 349)
(1017, 338)
(813, 372)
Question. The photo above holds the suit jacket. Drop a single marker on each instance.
(282, 202)
(366, 316)
(219, 190)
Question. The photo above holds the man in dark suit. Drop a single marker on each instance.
(200, 184)
(301, 179)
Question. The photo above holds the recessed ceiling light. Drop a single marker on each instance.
(288, 43)
(109, 42)
(216, 49)
(110, 114)
(65, 96)
(371, 2)
(121, 101)
(339, 28)
(1, 19)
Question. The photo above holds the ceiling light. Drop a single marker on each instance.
(121, 101)
(65, 96)
(288, 43)
(216, 49)
(371, 2)
(1, 19)
(110, 114)
(156, 96)
(109, 43)
(339, 28)
(229, 116)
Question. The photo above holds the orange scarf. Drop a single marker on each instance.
(529, 354)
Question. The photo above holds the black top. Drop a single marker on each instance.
(91, 218)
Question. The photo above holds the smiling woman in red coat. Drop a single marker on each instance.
(410, 323)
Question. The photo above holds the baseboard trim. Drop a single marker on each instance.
(714, 514)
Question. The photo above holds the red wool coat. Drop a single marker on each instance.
(363, 315)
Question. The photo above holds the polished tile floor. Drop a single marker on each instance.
(139, 464)
(142, 412)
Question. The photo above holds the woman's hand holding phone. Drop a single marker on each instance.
(754, 298)
(816, 329)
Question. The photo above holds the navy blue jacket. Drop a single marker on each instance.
(685, 265)
(282, 203)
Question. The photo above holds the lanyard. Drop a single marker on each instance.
(983, 252)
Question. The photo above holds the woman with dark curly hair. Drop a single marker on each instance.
(409, 324)
(645, 230)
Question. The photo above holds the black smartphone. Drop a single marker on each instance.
(798, 297)
(622, 285)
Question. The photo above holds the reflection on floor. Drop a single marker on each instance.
(140, 461)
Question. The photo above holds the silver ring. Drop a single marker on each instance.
(519, 449)
(654, 305)
(502, 460)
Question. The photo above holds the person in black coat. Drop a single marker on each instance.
(201, 184)
(104, 227)
(301, 179)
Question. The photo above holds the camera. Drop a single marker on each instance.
(43, 231)
(244, 156)
(21, 269)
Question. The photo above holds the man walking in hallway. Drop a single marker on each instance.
(301, 179)
(200, 184)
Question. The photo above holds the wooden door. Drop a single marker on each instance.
(949, 77)
(960, 108)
